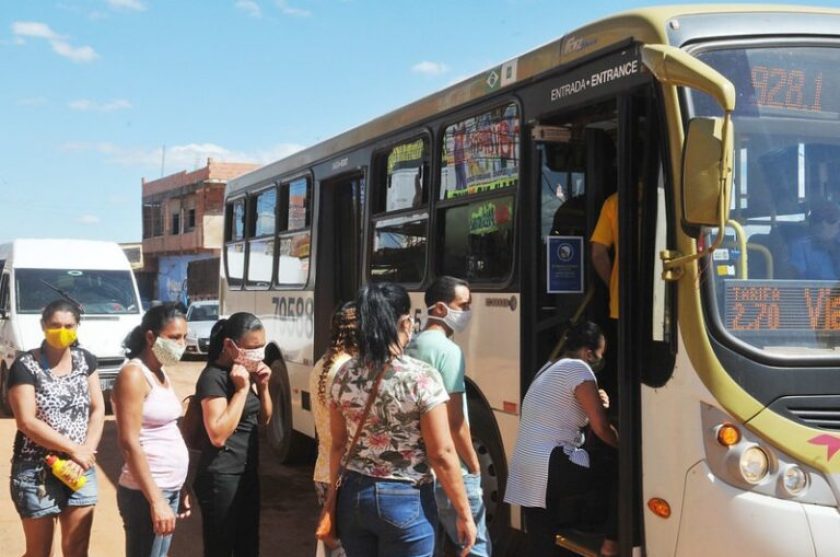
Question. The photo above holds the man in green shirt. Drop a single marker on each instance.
(448, 305)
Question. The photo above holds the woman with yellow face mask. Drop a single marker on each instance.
(58, 406)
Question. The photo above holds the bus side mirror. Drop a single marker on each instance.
(706, 172)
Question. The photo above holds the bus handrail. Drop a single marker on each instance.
(570, 323)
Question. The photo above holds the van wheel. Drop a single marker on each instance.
(4, 391)
(288, 445)
(491, 458)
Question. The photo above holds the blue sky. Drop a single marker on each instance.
(93, 89)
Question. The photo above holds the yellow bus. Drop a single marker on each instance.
(719, 128)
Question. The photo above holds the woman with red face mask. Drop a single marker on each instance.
(58, 406)
(233, 390)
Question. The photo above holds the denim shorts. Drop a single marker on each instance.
(27, 477)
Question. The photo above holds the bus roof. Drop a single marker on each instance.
(65, 254)
(644, 25)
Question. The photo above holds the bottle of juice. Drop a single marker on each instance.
(62, 472)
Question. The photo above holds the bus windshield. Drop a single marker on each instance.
(776, 278)
(97, 292)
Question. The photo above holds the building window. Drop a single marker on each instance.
(176, 224)
(190, 220)
(152, 220)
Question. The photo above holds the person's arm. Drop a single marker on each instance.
(96, 420)
(338, 443)
(263, 377)
(221, 416)
(130, 390)
(24, 407)
(590, 400)
(460, 430)
(601, 261)
(440, 450)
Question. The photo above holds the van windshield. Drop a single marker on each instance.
(98, 292)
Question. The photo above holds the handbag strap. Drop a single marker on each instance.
(349, 453)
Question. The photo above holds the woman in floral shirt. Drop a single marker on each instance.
(386, 502)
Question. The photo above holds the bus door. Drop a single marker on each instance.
(574, 169)
(339, 250)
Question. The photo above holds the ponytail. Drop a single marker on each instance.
(379, 307)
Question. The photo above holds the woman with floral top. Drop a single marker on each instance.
(58, 406)
(341, 348)
(386, 503)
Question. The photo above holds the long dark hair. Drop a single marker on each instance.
(234, 327)
(583, 335)
(61, 305)
(379, 306)
(154, 320)
(342, 340)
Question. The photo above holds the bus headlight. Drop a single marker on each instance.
(794, 479)
(753, 464)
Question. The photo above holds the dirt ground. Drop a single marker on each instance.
(287, 520)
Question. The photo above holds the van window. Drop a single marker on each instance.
(96, 292)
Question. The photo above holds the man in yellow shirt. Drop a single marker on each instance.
(603, 239)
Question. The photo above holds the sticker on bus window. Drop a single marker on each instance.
(564, 264)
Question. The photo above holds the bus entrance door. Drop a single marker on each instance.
(339, 244)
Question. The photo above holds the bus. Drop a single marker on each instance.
(717, 128)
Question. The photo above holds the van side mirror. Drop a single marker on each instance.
(706, 183)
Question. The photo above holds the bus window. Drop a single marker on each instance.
(399, 249)
(237, 228)
(261, 247)
(294, 237)
(235, 263)
(478, 240)
(481, 153)
(402, 177)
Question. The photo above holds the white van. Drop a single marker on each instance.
(95, 275)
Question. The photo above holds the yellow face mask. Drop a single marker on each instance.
(60, 338)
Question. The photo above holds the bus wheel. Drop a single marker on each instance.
(4, 390)
(491, 458)
(289, 445)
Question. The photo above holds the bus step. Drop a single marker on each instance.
(581, 543)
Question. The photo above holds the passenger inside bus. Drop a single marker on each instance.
(816, 256)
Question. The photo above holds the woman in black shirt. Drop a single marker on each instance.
(233, 390)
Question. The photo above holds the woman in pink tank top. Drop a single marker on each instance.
(147, 411)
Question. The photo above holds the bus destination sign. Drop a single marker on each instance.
(783, 306)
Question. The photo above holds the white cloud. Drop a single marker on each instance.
(87, 219)
(249, 7)
(35, 29)
(133, 5)
(430, 68)
(89, 105)
(180, 157)
(38, 30)
(285, 9)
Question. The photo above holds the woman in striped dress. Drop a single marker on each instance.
(549, 462)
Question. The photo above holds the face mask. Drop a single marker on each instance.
(167, 351)
(455, 319)
(597, 364)
(60, 338)
(250, 358)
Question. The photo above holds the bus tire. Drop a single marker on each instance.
(288, 445)
(4, 390)
(491, 458)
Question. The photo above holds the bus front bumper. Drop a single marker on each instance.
(722, 520)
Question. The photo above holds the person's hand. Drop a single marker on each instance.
(163, 519)
(240, 377)
(262, 375)
(185, 504)
(84, 456)
(466, 534)
(605, 398)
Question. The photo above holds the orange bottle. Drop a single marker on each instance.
(62, 472)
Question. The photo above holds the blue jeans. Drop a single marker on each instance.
(385, 518)
(140, 537)
(447, 515)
